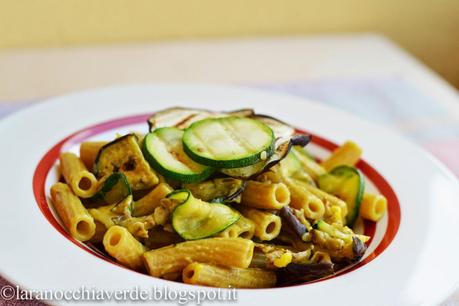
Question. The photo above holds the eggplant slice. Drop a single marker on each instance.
(182, 118)
(292, 221)
(295, 273)
(222, 190)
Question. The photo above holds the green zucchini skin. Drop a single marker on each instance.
(333, 182)
(334, 232)
(218, 190)
(251, 158)
(187, 222)
(115, 188)
(154, 159)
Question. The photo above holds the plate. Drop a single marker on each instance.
(410, 260)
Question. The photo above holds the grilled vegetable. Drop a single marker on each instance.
(284, 134)
(114, 189)
(158, 238)
(340, 242)
(346, 183)
(358, 247)
(124, 155)
(218, 190)
(281, 130)
(309, 165)
(294, 273)
(333, 231)
(183, 117)
(176, 117)
(292, 266)
(282, 148)
(294, 224)
(195, 219)
(300, 150)
(291, 168)
(163, 149)
(228, 142)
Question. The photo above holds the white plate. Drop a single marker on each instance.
(419, 266)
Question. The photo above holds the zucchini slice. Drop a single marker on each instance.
(228, 142)
(291, 168)
(245, 172)
(220, 190)
(348, 184)
(195, 219)
(114, 189)
(124, 155)
(163, 149)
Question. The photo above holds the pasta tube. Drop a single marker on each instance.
(265, 195)
(244, 228)
(121, 245)
(75, 217)
(138, 226)
(229, 252)
(83, 183)
(209, 275)
(149, 202)
(88, 152)
(267, 225)
(347, 154)
(333, 214)
(302, 199)
(373, 206)
(327, 198)
(104, 215)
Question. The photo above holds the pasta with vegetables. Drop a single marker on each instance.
(228, 199)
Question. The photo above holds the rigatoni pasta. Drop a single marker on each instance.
(267, 225)
(210, 275)
(244, 228)
(119, 243)
(83, 183)
(104, 215)
(373, 206)
(302, 198)
(147, 204)
(229, 252)
(73, 214)
(265, 195)
(347, 154)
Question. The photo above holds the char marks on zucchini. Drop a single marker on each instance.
(228, 142)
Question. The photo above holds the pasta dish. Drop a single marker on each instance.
(221, 199)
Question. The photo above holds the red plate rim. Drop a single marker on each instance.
(49, 159)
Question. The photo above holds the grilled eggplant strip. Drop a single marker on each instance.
(294, 273)
(223, 190)
(289, 217)
(182, 118)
